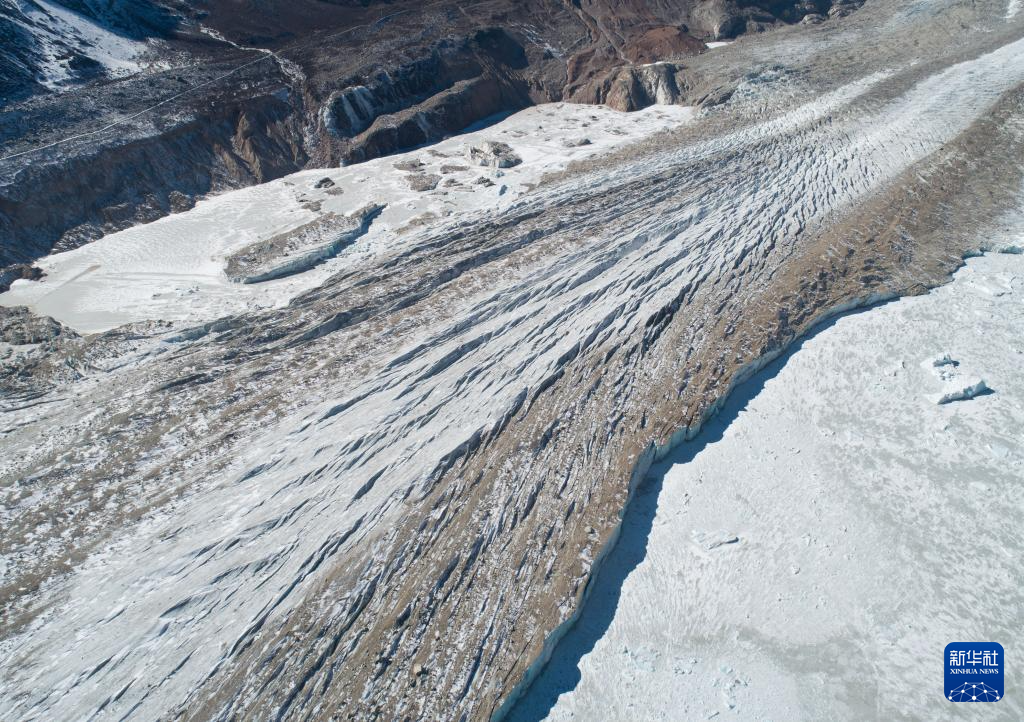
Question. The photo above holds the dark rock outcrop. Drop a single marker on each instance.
(493, 154)
(16, 272)
(19, 326)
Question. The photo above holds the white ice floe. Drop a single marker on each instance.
(173, 269)
(876, 527)
(962, 389)
(957, 384)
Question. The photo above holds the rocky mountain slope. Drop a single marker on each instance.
(386, 499)
(121, 112)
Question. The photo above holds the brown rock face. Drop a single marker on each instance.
(61, 205)
(665, 43)
(632, 86)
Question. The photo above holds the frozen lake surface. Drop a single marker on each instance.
(813, 550)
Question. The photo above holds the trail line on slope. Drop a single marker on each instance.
(121, 121)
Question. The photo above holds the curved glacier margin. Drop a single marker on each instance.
(656, 452)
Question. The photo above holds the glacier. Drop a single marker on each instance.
(382, 487)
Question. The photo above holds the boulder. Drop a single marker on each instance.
(422, 182)
(493, 154)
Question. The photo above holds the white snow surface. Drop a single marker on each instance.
(809, 555)
(172, 269)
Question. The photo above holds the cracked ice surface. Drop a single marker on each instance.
(876, 527)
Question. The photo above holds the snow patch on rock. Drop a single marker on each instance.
(58, 30)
